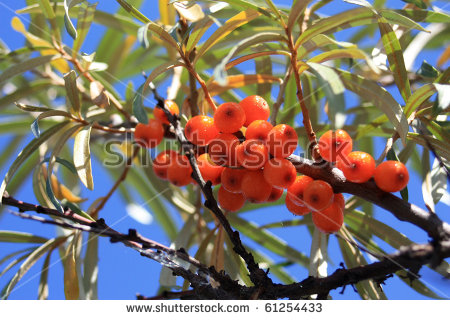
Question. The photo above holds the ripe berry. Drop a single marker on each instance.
(279, 172)
(252, 154)
(339, 199)
(282, 141)
(200, 130)
(149, 135)
(357, 167)
(255, 108)
(230, 201)
(232, 179)
(318, 195)
(255, 187)
(162, 162)
(209, 171)
(222, 150)
(259, 130)
(179, 171)
(334, 146)
(229, 117)
(328, 220)
(391, 176)
(161, 116)
(295, 208)
(275, 194)
(296, 190)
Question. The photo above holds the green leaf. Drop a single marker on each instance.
(296, 11)
(138, 107)
(142, 36)
(353, 257)
(228, 27)
(73, 94)
(426, 70)
(29, 262)
(269, 240)
(71, 288)
(15, 253)
(43, 280)
(423, 16)
(418, 3)
(395, 57)
(369, 90)
(20, 237)
(82, 157)
(28, 151)
(318, 256)
(26, 65)
(85, 16)
(417, 285)
(25, 91)
(443, 98)
(219, 71)
(319, 42)
(200, 27)
(133, 11)
(46, 114)
(68, 4)
(333, 87)
(12, 264)
(90, 274)
(420, 96)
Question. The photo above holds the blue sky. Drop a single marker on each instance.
(123, 272)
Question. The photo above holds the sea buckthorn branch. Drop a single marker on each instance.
(402, 210)
(412, 257)
(148, 248)
(258, 276)
(280, 98)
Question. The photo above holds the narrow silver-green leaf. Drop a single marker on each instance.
(68, 4)
(27, 151)
(297, 9)
(29, 262)
(90, 274)
(25, 65)
(138, 105)
(82, 157)
(85, 17)
(334, 91)
(43, 280)
(20, 237)
(73, 94)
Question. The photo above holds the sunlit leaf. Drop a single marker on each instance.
(297, 9)
(71, 288)
(20, 237)
(73, 95)
(82, 157)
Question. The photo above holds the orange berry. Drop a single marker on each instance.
(275, 194)
(335, 146)
(391, 176)
(179, 171)
(255, 108)
(200, 130)
(232, 179)
(222, 149)
(160, 114)
(255, 187)
(296, 209)
(229, 117)
(357, 167)
(230, 201)
(330, 219)
(279, 172)
(296, 190)
(282, 141)
(318, 195)
(252, 154)
(339, 199)
(149, 135)
(162, 162)
(209, 171)
(259, 130)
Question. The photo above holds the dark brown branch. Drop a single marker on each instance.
(411, 257)
(402, 210)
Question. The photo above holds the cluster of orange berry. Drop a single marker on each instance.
(246, 155)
